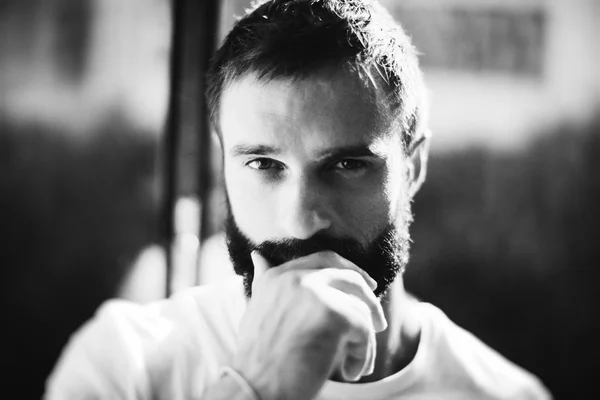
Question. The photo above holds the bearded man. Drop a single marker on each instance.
(320, 109)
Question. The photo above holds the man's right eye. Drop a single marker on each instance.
(263, 163)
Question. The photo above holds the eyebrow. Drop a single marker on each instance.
(359, 150)
(251, 149)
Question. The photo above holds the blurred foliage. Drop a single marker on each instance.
(507, 246)
(74, 212)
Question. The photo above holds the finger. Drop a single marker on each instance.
(360, 341)
(260, 266)
(351, 283)
(357, 333)
(370, 365)
(352, 368)
(326, 259)
(359, 360)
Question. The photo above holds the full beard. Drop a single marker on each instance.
(383, 259)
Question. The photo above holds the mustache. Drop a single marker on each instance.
(382, 258)
(281, 251)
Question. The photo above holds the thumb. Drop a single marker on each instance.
(260, 266)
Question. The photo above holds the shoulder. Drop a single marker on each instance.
(466, 361)
(118, 351)
(151, 323)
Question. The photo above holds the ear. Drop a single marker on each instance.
(217, 146)
(216, 138)
(418, 154)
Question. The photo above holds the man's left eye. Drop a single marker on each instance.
(350, 164)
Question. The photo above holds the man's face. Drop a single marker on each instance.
(310, 165)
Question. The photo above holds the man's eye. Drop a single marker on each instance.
(350, 164)
(262, 163)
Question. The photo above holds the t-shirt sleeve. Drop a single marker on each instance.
(106, 357)
(169, 349)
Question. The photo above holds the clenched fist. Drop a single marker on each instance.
(309, 319)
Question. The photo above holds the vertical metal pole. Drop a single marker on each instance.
(171, 141)
(193, 41)
(210, 22)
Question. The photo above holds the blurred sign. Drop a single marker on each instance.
(502, 40)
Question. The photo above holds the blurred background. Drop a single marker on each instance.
(110, 184)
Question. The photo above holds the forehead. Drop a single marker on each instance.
(332, 109)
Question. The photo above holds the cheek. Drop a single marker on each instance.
(397, 191)
(383, 204)
(250, 206)
(364, 213)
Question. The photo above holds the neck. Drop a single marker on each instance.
(397, 345)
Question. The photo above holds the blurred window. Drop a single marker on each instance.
(476, 39)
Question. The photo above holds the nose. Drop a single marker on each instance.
(305, 208)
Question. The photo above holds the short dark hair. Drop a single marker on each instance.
(296, 39)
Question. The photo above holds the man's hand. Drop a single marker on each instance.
(307, 319)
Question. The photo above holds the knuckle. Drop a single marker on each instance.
(334, 319)
(363, 308)
(352, 276)
(366, 316)
(329, 316)
(290, 279)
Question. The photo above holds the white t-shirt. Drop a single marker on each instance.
(173, 349)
